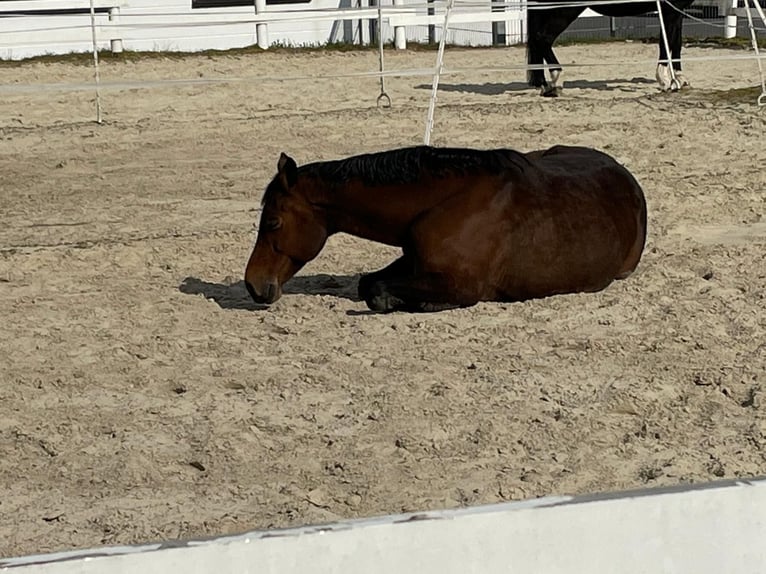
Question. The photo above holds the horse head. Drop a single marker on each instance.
(290, 234)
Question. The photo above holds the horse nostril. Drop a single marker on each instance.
(252, 292)
(271, 292)
(269, 295)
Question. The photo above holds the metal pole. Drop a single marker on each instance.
(95, 61)
(437, 74)
(754, 39)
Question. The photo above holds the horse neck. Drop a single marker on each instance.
(380, 213)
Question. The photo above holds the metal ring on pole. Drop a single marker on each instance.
(383, 95)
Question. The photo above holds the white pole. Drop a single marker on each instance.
(762, 97)
(261, 28)
(95, 61)
(400, 36)
(437, 74)
(760, 12)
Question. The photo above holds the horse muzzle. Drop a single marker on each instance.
(264, 294)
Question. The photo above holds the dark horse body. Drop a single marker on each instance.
(544, 25)
(494, 225)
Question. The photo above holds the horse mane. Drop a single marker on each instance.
(408, 165)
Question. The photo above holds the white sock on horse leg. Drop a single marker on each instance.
(663, 77)
(555, 76)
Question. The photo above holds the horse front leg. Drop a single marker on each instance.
(675, 40)
(419, 293)
(556, 85)
(536, 75)
(399, 267)
(540, 52)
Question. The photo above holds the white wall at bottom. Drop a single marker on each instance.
(711, 528)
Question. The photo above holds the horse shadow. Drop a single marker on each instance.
(499, 88)
(233, 294)
(486, 89)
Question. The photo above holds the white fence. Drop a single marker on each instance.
(711, 528)
(36, 27)
(33, 27)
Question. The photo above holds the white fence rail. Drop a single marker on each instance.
(36, 27)
(174, 26)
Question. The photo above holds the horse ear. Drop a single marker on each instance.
(288, 170)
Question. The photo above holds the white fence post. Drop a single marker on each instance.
(261, 28)
(115, 43)
(400, 37)
(731, 18)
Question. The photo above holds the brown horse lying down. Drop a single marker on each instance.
(473, 225)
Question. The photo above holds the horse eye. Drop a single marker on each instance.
(271, 223)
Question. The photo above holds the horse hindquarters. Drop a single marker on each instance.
(633, 255)
(576, 227)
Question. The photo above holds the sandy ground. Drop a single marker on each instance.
(143, 397)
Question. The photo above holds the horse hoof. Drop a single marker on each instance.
(682, 81)
(678, 84)
(380, 301)
(551, 92)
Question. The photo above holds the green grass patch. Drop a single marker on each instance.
(86, 58)
(726, 43)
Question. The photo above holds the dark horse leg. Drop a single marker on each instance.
(399, 267)
(420, 293)
(674, 19)
(543, 27)
(398, 288)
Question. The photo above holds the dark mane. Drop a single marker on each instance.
(407, 165)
